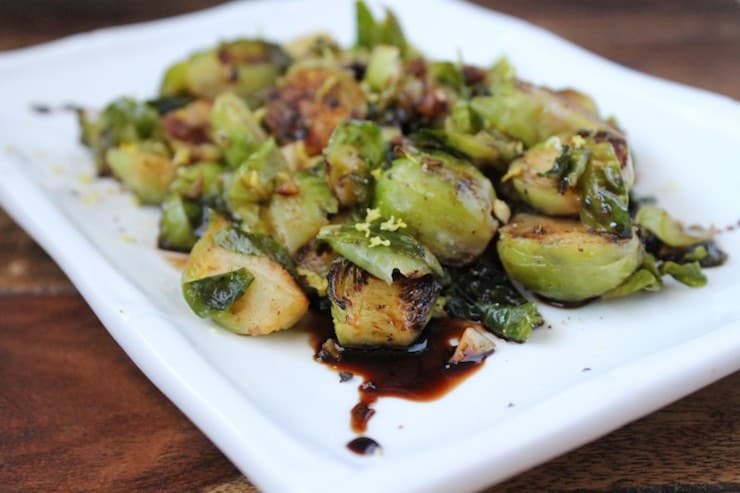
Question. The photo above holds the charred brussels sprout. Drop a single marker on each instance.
(146, 168)
(299, 209)
(309, 103)
(355, 149)
(446, 202)
(220, 263)
(561, 260)
(236, 130)
(124, 121)
(200, 181)
(532, 114)
(368, 311)
(244, 66)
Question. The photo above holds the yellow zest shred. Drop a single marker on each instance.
(364, 227)
(378, 241)
(372, 215)
(393, 224)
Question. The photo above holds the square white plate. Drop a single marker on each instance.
(279, 416)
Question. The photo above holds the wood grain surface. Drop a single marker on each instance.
(77, 415)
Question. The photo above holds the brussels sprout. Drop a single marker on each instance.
(532, 114)
(200, 181)
(177, 224)
(243, 66)
(313, 263)
(561, 260)
(124, 121)
(368, 311)
(446, 202)
(355, 148)
(271, 301)
(188, 131)
(380, 248)
(296, 213)
(145, 168)
(530, 178)
(214, 294)
(309, 103)
(236, 129)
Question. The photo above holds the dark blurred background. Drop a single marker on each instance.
(691, 41)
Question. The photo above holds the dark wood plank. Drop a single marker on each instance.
(77, 415)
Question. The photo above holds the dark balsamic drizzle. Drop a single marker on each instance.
(568, 305)
(364, 446)
(418, 373)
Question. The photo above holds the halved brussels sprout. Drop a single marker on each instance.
(309, 103)
(532, 114)
(368, 311)
(299, 209)
(446, 202)
(272, 300)
(188, 132)
(355, 148)
(371, 33)
(146, 168)
(235, 128)
(243, 66)
(124, 121)
(668, 230)
(561, 260)
(530, 178)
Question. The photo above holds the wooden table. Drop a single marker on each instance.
(77, 415)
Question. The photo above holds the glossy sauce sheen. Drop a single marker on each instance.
(418, 373)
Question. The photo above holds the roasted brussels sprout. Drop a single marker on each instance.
(446, 202)
(561, 260)
(668, 230)
(313, 263)
(146, 168)
(309, 103)
(124, 121)
(254, 182)
(379, 247)
(235, 128)
(532, 114)
(355, 149)
(227, 258)
(199, 181)
(243, 66)
(530, 178)
(299, 209)
(188, 132)
(368, 311)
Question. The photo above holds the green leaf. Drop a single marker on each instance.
(605, 206)
(569, 167)
(216, 293)
(669, 230)
(483, 293)
(247, 243)
(642, 280)
(689, 274)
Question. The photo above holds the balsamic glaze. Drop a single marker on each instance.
(568, 305)
(418, 373)
(364, 446)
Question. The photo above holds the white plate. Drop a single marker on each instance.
(279, 416)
